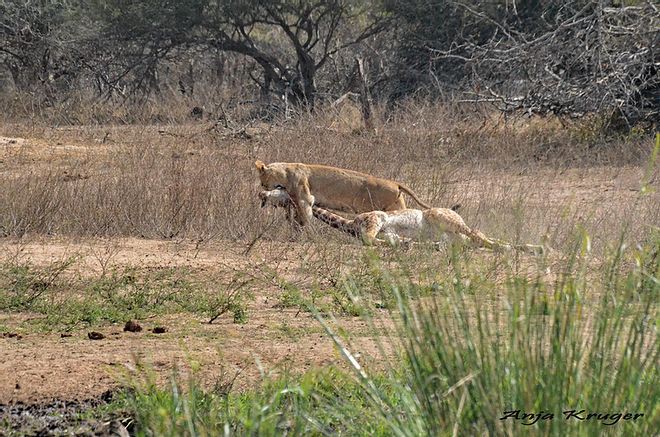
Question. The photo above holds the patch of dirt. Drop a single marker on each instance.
(49, 366)
(605, 186)
(65, 159)
(16, 142)
(40, 368)
(45, 379)
(44, 367)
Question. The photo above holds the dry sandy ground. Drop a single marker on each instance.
(37, 367)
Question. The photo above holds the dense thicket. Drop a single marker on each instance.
(569, 58)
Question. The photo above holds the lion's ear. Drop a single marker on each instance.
(260, 165)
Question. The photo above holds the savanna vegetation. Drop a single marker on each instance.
(128, 132)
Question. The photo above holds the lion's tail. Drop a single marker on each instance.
(409, 192)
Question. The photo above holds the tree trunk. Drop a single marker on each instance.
(307, 74)
(365, 101)
(264, 91)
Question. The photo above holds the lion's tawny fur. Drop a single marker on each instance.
(335, 188)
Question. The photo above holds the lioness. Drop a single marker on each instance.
(332, 187)
(404, 226)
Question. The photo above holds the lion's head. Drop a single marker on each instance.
(270, 176)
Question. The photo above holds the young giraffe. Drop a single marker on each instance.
(403, 226)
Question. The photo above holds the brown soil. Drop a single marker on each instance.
(38, 368)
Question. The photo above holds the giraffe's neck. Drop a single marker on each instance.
(335, 220)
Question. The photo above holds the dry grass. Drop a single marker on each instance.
(192, 183)
(517, 179)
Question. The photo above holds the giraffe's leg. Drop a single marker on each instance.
(532, 249)
(369, 237)
(393, 239)
(480, 240)
(369, 228)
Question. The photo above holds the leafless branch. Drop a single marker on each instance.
(593, 59)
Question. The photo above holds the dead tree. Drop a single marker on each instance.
(37, 47)
(591, 59)
(365, 98)
(290, 40)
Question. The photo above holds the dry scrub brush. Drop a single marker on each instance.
(195, 180)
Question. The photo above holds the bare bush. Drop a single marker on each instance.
(586, 58)
(195, 181)
(36, 47)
